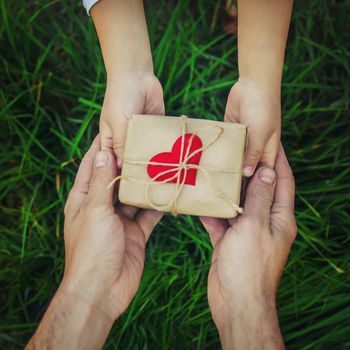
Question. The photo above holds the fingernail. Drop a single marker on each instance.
(267, 175)
(248, 170)
(101, 159)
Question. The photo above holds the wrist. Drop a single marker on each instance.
(124, 47)
(262, 65)
(271, 90)
(71, 322)
(91, 295)
(264, 78)
(249, 323)
(130, 65)
(124, 77)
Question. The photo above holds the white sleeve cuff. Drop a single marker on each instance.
(88, 4)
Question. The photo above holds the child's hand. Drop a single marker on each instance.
(260, 110)
(132, 87)
(127, 94)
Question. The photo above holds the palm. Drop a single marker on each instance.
(133, 256)
(120, 248)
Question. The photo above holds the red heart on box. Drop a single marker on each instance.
(173, 157)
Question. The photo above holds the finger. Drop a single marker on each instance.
(231, 117)
(268, 157)
(128, 210)
(106, 137)
(81, 184)
(285, 186)
(232, 221)
(119, 135)
(104, 172)
(282, 213)
(253, 154)
(107, 142)
(260, 194)
(148, 219)
(215, 227)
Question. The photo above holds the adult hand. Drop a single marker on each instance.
(105, 252)
(127, 94)
(260, 109)
(249, 255)
(105, 246)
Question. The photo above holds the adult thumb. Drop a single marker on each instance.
(104, 172)
(260, 194)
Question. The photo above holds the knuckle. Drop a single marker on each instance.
(106, 142)
(286, 227)
(99, 183)
(95, 180)
(99, 179)
(279, 226)
(92, 188)
(118, 146)
(262, 194)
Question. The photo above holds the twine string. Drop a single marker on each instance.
(180, 170)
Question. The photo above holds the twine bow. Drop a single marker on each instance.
(181, 168)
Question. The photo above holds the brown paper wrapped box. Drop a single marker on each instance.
(183, 165)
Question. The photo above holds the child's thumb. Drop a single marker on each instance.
(252, 157)
(118, 144)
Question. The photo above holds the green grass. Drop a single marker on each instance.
(52, 86)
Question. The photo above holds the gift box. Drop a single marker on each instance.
(183, 165)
